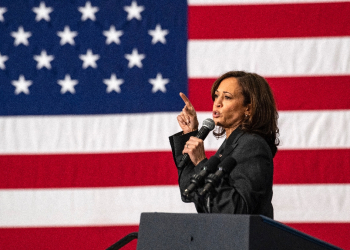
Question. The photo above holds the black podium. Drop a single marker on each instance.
(165, 231)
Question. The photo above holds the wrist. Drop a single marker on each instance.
(199, 161)
(188, 131)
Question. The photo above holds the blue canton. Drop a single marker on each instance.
(92, 57)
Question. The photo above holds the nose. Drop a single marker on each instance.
(217, 103)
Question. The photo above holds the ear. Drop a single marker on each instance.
(247, 112)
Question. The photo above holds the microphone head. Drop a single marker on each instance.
(209, 123)
(228, 164)
(211, 164)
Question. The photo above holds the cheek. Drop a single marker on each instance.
(234, 114)
(230, 115)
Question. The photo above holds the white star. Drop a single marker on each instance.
(159, 83)
(2, 11)
(89, 59)
(21, 36)
(3, 59)
(67, 36)
(158, 35)
(112, 35)
(113, 84)
(44, 60)
(42, 12)
(88, 11)
(67, 84)
(135, 58)
(21, 85)
(134, 11)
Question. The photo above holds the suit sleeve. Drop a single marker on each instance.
(177, 143)
(250, 182)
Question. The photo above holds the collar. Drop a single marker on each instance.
(231, 141)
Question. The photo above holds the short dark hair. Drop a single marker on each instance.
(263, 116)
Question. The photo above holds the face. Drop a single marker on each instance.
(228, 109)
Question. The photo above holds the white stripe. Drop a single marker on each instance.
(123, 206)
(270, 57)
(312, 203)
(95, 133)
(314, 129)
(88, 206)
(244, 2)
(150, 132)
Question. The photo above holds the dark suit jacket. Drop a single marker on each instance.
(248, 188)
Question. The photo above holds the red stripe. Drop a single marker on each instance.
(102, 237)
(269, 21)
(333, 233)
(156, 168)
(87, 170)
(291, 93)
(65, 237)
(312, 166)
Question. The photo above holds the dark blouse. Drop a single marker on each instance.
(247, 189)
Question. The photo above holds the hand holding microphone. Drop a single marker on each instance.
(208, 125)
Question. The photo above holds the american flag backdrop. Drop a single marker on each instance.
(89, 93)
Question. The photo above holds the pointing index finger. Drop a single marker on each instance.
(186, 100)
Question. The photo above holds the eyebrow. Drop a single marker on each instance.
(225, 92)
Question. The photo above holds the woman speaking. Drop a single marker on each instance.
(244, 111)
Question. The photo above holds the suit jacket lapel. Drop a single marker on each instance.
(231, 142)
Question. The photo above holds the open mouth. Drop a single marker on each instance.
(216, 114)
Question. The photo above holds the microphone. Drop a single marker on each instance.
(213, 180)
(207, 126)
(197, 180)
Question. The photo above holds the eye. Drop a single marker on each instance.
(215, 96)
(228, 97)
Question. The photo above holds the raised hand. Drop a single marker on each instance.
(187, 119)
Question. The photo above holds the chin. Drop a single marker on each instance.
(217, 123)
